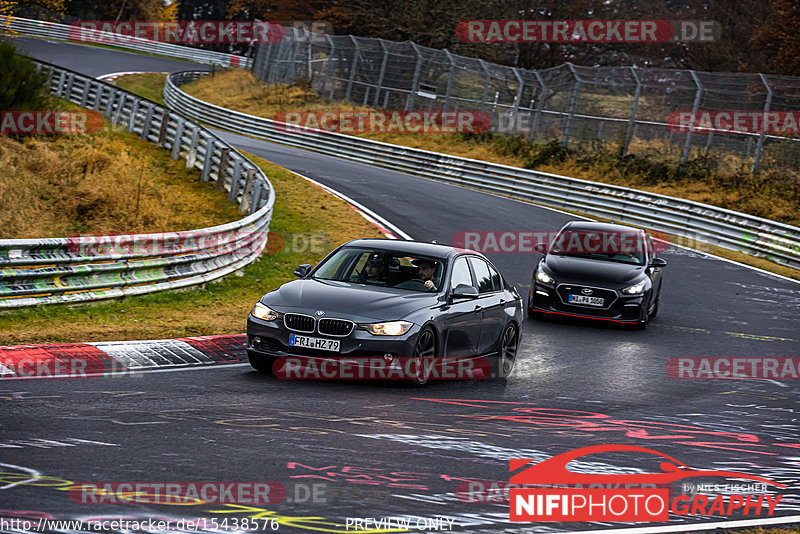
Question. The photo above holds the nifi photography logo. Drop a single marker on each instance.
(622, 497)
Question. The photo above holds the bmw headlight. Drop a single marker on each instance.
(394, 328)
(264, 313)
(543, 277)
(634, 289)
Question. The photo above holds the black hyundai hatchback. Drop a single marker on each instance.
(599, 271)
(394, 299)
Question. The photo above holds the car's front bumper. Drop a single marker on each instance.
(271, 338)
(624, 309)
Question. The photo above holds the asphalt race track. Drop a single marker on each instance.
(350, 450)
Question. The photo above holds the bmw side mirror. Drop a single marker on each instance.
(464, 291)
(302, 270)
(541, 247)
(658, 262)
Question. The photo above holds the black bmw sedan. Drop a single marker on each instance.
(598, 271)
(384, 300)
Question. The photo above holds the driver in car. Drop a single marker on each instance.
(373, 271)
(425, 272)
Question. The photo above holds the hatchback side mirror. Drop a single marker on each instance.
(658, 262)
(302, 270)
(541, 247)
(465, 292)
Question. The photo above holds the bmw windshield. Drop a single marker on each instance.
(383, 268)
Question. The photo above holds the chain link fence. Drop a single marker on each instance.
(623, 108)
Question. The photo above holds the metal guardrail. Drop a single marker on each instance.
(728, 229)
(63, 270)
(54, 30)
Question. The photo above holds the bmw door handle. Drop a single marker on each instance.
(477, 307)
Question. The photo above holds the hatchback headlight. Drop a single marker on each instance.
(543, 277)
(394, 328)
(634, 289)
(264, 313)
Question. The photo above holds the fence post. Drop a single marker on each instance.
(632, 119)
(762, 134)
(352, 69)
(148, 119)
(236, 178)
(176, 143)
(539, 106)
(132, 118)
(208, 160)
(450, 77)
(382, 73)
(162, 131)
(415, 81)
(329, 67)
(222, 169)
(573, 103)
(517, 100)
(485, 84)
(697, 97)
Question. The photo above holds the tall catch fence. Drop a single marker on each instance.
(624, 108)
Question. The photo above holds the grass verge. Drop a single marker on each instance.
(109, 182)
(149, 85)
(301, 211)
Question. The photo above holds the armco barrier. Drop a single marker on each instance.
(53, 30)
(728, 229)
(62, 270)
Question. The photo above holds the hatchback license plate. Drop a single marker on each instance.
(314, 343)
(583, 299)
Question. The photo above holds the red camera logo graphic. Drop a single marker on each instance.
(622, 502)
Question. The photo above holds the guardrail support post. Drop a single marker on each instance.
(352, 69)
(132, 118)
(176, 143)
(148, 119)
(697, 97)
(110, 103)
(98, 96)
(207, 161)
(162, 131)
(223, 169)
(191, 157)
(246, 192)
(632, 119)
(68, 90)
(762, 134)
(573, 103)
(236, 178)
(87, 84)
(415, 82)
(382, 73)
(255, 197)
(120, 106)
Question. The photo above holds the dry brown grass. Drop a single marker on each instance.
(218, 308)
(111, 182)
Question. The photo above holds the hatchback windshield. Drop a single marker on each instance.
(375, 267)
(617, 246)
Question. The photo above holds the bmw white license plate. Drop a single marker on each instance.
(314, 343)
(583, 299)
